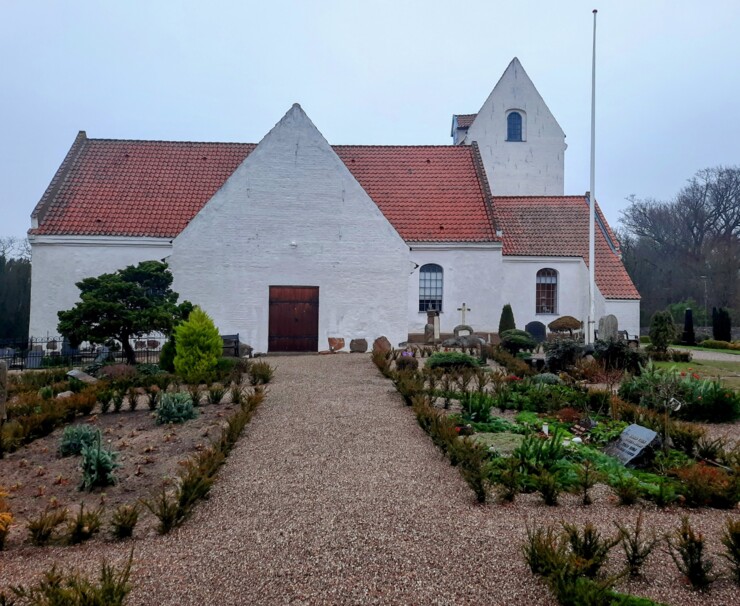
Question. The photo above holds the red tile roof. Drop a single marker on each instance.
(465, 120)
(557, 226)
(154, 188)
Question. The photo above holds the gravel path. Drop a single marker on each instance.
(334, 495)
(703, 354)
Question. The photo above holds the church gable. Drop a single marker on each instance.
(292, 215)
(521, 142)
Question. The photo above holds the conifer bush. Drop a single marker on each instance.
(506, 322)
(198, 348)
(731, 541)
(686, 548)
(84, 525)
(124, 520)
(662, 330)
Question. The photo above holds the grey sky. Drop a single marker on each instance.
(370, 72)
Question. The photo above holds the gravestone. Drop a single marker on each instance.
(35, 356)
(358, 345)
(103, 353)
(537, 330)
(635, 444)
(608, 327)
(82, 376)
(462, 330)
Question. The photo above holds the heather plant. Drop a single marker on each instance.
(686, 548)
(236, 393)
(98, 465)
(216, 392)
(57, 589)
(588, 548)
(105, 396)
(117, 399)
(587, 476)
(637, 548)
(153, 393)
(84, 525)
(198, 348)
(165, 508)
(408, 383)
(407, 362)
(124, 520)
(6, 518)
(545, 550)
(75, 437)
(133, 397)
(260, 373)
(43, 527)
(731, 541)
(175, 408)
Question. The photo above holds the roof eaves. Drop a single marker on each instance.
(40, 210)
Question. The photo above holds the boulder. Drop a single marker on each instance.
(358, 345)
(65, 394)
(336, 343)
(382, 344)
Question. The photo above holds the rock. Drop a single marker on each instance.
(382, 344)
(336, 343)
(65, 394)
(82, 376)
(358, 345)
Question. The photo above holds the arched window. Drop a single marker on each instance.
(430, 287)
(514, 126)
(546, 298)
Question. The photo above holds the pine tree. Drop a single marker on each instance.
(198, 348)
(507, 319)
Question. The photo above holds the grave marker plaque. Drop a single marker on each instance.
(633, 443)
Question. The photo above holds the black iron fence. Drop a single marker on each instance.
(49, 352)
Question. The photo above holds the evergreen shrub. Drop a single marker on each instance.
(506, 321)
(198, 348)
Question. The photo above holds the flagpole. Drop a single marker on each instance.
(592, 203)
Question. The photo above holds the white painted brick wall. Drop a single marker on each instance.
(59, 262)
(534, 167)
(293, 188)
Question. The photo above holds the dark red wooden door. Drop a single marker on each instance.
(294, 318)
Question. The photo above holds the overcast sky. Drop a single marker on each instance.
(370, 72)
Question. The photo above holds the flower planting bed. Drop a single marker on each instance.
(520, 438)
(138, 437)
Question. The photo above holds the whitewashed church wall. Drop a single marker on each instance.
(532, 167)
(520, 275)
(293, 214)
(471, 276)
(627, 312)
(59, 262)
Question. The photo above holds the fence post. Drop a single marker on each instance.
(3, 399)
(236, 346)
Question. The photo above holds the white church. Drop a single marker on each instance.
(292, 241)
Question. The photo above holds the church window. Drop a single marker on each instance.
(546, 297)
(514, 127)
(430, 287)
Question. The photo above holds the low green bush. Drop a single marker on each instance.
(98, 465)
(451, 360)
(175, 408)
(515, 341)
(75, 437)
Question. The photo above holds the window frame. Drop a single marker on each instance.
(431, 281)
(547, 281)
(522, 125)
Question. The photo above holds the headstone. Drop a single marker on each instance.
(634, 443)
(34, 357)
(358, 345)
(82, 376)
(382, 344)
(462, 330)
(428, 333)
(336, 343)
(537, 330)
(463, 310)
(103, 353)
(608, 327)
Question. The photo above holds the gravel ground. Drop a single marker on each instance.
(334, 495)
(702, 354)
